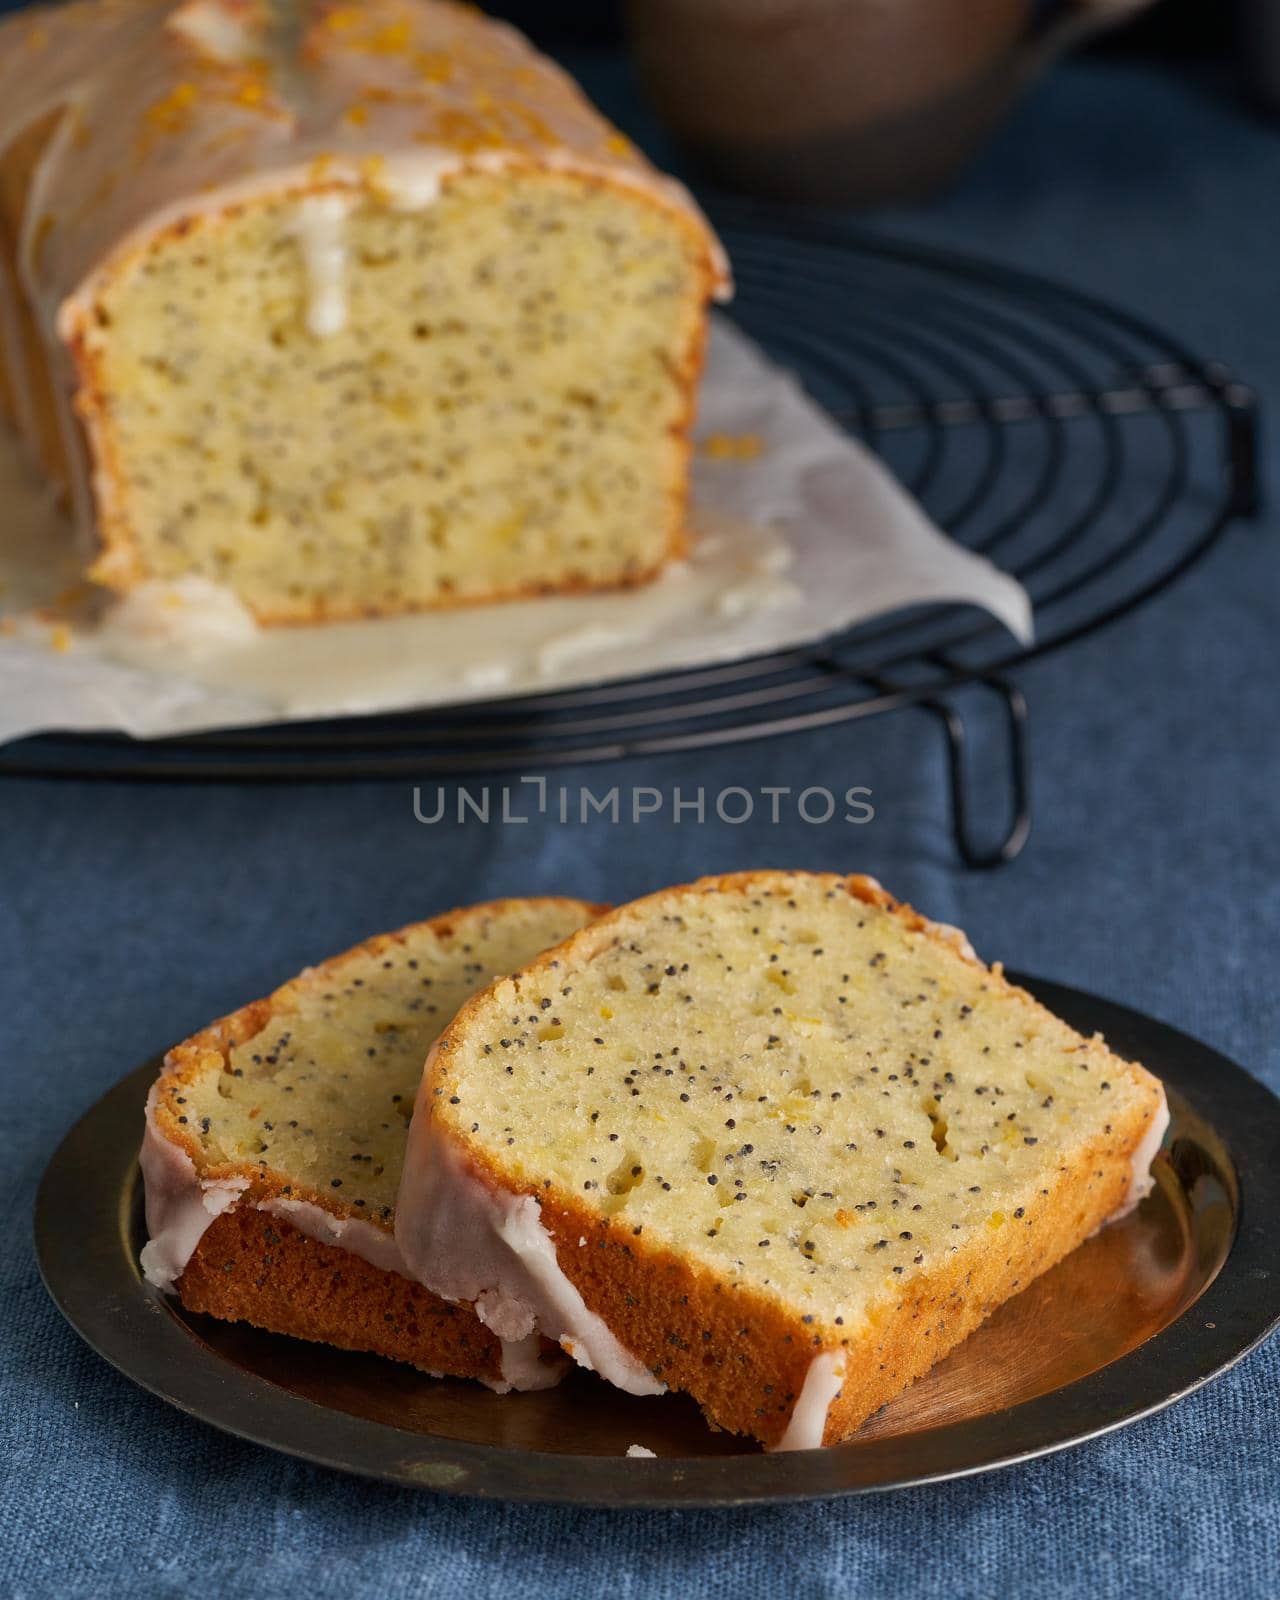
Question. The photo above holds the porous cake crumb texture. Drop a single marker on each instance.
(499, 407)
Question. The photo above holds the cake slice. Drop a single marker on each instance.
(771, 1138)
(274, 1141)
(347, 309)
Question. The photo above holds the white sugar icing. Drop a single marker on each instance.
(566, 648)
(180, 1205)
(470, 1242)
(1142, 1180)
(320, 229)
(763, 586)
(193, 612)
(820, 1390)
(525, 1367)
(756, 595)
(214, 28)
(412, 180)
(364, 1239)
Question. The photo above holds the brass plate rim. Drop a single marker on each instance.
(89, 1270)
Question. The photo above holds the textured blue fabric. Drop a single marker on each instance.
(129, 914)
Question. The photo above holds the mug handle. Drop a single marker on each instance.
(1061, 25)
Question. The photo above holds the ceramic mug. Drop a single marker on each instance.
(847, 100)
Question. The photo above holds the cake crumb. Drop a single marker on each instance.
(639, 1450)
(732, 447)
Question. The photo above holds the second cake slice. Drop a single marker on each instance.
(275, 1138)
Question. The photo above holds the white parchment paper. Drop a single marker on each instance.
(797, 532)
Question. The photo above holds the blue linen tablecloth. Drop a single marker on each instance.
(130, 914)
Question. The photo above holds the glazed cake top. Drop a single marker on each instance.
(159, 110)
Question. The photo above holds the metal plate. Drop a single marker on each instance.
(1142, 1314)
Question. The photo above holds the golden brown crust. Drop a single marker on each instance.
(944, 1307)
(743, 1354)
(251, 1266)
(254, 1267)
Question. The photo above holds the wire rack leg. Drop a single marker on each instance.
(1242, 444)
(1019, 827)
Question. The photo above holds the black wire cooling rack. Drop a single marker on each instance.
(1083, 450)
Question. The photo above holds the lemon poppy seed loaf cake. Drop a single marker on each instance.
(348, 309)
(772, 1139)
(275, 1137)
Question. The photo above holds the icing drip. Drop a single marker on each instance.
(180, 1205)
(566, 648)
(1141, 1181)
(411, 181)
(191, 612)
(524, 1366)
(219, 30)
(468, 1241)
(364, 1239)
(320, 229)
(821, 1388)
(761, 591)
(953, 936)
